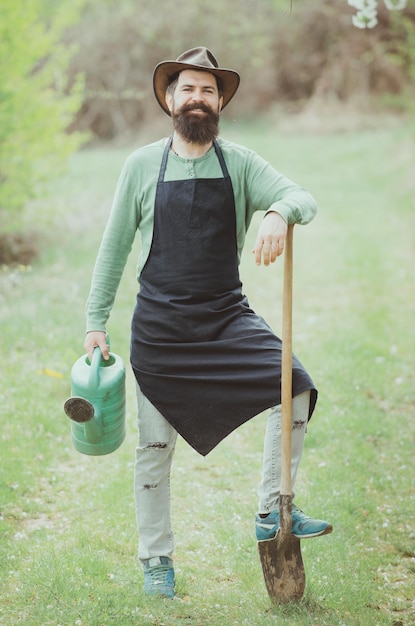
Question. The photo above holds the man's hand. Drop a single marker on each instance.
(270, 240)
(92, 340)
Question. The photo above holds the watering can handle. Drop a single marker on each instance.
(93, 381)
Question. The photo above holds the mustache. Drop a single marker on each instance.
(201, 106)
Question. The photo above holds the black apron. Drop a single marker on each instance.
(200, 354)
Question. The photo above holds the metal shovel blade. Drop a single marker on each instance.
(282, 563)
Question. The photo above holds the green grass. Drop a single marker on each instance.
(67, 528)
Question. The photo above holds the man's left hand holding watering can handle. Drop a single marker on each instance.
(96, 338)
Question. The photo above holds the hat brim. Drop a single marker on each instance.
(167, 69)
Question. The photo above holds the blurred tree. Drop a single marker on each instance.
(286, 54)
(121, 42)
(36, 105)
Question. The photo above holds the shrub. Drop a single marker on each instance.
(35, 104)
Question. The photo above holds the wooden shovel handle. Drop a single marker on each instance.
(286, 373)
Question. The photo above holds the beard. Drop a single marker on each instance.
(196, 129)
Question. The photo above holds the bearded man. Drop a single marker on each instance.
(203, 360)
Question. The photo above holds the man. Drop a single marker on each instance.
(204, 362)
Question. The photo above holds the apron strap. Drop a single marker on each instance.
(164, 160)
(219, 154)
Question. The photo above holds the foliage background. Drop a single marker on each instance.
(312, 53)
(80, 71)
(35, 107)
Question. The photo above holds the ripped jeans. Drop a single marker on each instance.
(154, 455)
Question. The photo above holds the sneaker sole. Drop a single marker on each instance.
(326, 531)
(160, 593)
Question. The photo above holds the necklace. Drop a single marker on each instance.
(180, 157)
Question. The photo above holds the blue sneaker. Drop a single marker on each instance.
(303, 527)
(159, 577)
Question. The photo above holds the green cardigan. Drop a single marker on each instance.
(257, 186)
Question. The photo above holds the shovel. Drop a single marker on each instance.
(281, 559)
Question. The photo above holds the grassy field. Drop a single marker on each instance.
(67, 528)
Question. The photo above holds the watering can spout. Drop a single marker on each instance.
(82, 411)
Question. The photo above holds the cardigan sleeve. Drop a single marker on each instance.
(269, 190)
(115, 247)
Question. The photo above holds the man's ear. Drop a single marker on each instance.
(169, 101)
(220, 103)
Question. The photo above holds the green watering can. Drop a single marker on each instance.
(97, 404)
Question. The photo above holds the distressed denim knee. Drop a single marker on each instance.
(153, 463)
(269, 487)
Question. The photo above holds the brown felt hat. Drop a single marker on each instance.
(200, 59)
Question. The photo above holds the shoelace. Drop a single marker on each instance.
(295, 509)
(159, 574)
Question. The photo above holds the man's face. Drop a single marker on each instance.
(195, 106)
